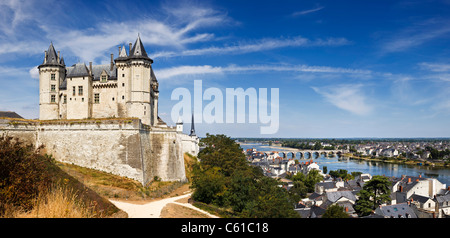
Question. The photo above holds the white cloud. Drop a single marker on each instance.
(256, 46)
(187, 70)
(416, 35)
(348, 97)
(304, 12)
(177, 28)
(435, 67)
(34, 73)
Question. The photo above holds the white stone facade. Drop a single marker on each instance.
(125, 88)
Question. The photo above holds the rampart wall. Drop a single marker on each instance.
(123, 147)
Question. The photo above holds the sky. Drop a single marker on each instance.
(343, 69)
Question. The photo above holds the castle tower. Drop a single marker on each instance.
(136, 82)
(51, 73)
(79, 92)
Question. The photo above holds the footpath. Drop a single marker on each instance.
(153, 209)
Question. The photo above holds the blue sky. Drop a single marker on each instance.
(343, 68)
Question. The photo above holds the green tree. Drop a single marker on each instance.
(243, 188)
(224, 178)
(335, 211)
(325, 169)
(222, 152)
(298, 191)
(374, 193)
(312, 178)
(210, 185)
(270, 201)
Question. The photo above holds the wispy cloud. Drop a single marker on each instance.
(435, 67)
(416, 35)
(176, 27)
(348, 97)
(187, 70)
(257, 45)
(304, 12)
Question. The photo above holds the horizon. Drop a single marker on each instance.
(372, 69)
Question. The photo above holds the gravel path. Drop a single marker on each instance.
(153, 209)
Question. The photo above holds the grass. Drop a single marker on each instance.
(60, 202)
(117, 187)
(71, 191)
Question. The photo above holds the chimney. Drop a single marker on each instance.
(90, 68)
(120, 49)
(130, 49)
(45, 57)
(420, 176)
(112, 62)
(58, 56)
(409, 180)
(346, 209)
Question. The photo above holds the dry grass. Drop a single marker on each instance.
(59, 202)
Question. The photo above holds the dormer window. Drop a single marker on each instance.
(103, 77)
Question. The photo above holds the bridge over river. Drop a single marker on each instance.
(301, 154)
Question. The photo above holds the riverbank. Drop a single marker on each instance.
(399, 160)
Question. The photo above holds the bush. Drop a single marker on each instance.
(23, 172)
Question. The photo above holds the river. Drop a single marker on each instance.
(370, 167)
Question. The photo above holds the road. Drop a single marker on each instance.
(153, 209)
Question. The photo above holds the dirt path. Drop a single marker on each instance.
(153, 209)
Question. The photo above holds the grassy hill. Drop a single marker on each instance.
(34, 184)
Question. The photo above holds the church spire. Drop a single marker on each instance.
(192, 126)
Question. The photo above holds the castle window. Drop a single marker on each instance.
(82, 99)
(65, 99)
(52, 98)
(123, 75)
(103, 78)
(73, 91)
(53, 87)
(97, 98)
(53, 77)
(80, 90)
(113, 99)
(123, 97)
(123, 84)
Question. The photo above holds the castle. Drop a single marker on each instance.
(127, 87)
(106, 117)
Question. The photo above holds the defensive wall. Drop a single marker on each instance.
(124, 147)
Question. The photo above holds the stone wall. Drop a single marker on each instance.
(123, 147)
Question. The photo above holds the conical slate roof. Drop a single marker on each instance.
(51, 58)
(123, 54)
(138, 51)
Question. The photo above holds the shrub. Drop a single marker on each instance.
(23, 172)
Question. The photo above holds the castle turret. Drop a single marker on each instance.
(51, 73)
(136, 78)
